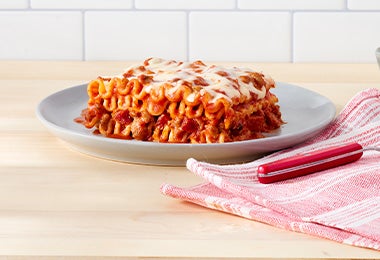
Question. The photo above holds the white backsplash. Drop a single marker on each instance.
(346, 31)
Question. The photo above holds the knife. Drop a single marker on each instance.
(306, 163)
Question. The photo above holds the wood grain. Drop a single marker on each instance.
(56, 203)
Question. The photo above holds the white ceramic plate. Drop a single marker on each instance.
(305, 112)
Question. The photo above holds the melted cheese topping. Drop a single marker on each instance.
(218, 81)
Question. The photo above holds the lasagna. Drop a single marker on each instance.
(182, 102)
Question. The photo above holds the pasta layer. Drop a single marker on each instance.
(182, 102)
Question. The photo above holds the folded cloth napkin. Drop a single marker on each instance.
(341, 204)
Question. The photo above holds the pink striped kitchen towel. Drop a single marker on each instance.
(341, 204)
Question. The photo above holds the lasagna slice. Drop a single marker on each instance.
(182, 102)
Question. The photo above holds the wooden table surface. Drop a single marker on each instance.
(58, 203)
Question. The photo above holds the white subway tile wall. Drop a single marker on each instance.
(292, 4)
(185, 4)
(252, 36)
(14, 4)
(331, 40)
(81, 4)
(131, 35)
(344, 31)
(364, 4)
(41, 35)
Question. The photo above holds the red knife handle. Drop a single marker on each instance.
(307, 163)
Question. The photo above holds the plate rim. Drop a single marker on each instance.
(52, 127)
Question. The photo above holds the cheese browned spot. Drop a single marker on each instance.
(182, 102)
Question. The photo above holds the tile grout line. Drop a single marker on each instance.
(292, 37)
(344, 8)
(83, 36)
(187, 36)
